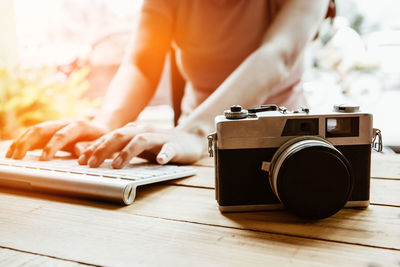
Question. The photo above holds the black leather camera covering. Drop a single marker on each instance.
(240, 180)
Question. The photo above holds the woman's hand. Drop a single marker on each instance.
(52, 136)
(161, 145)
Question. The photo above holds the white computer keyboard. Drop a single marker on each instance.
(133, 171)
(103, 183)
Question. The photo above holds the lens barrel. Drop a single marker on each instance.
(311, 177)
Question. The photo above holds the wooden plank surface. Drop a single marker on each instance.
(376, 226)
(385, 192)
(181, 203)
(178, 223)
(385, 166)
(105, 235)
(13, 258)
(204, 178)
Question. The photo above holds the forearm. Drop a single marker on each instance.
(129, 92)
(257, 77)
(246, 86)
(137, 78)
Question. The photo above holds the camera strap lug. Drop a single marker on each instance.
(377, 144)
(212, 137)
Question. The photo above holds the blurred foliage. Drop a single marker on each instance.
(31, 96)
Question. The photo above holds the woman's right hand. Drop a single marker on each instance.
(52, 136)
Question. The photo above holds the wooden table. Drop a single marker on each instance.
(178, 223)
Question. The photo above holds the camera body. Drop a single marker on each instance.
(314, 164)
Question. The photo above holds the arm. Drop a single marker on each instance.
(136, 80)
(129, 92)
(294, 26)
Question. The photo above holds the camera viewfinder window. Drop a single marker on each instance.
(296, 127)
(342, 127)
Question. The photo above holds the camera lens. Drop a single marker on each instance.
(311, 177)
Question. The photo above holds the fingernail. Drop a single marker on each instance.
(17, 155)
(117, 162)
(162, 158)
(82, 159)
(92, 162)
(43, 156)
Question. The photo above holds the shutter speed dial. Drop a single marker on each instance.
(236, 112)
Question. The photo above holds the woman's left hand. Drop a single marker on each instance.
(157, 144)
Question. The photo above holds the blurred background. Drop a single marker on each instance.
(57, 58)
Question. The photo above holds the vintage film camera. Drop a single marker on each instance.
(313, 164)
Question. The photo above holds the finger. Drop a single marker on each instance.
(112, 143)
(136, 146)
(61, 138)
(81, 147)
(35, 137)
(79, 130)
(167, 153)
(25, 143)
(10, 150)
(12, 147)
(88, 152)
